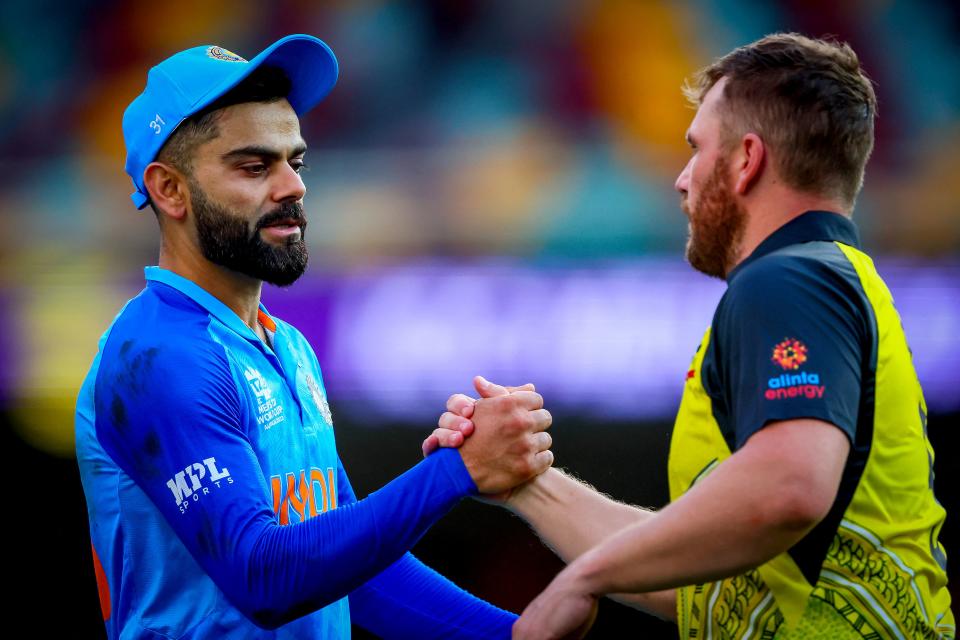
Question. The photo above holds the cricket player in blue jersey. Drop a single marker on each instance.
(218, 505)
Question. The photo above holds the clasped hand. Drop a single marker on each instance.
(501, 436)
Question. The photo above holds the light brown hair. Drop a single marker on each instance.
(808, 100)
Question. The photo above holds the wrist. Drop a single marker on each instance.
(456, 469)
(586, 575)
(538, 492)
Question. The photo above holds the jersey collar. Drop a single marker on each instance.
(199, 295)
(812, 226)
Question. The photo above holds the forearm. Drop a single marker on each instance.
(572, 517)
(292, 570)
(754, 506)
(723, 526)
(410, 600)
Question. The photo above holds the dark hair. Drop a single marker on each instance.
(808, 100)
(265, 84)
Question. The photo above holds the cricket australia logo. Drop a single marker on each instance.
(269, 410)
(197, 480)
(320, 398)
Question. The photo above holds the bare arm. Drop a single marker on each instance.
(572, 517)
(754, 506)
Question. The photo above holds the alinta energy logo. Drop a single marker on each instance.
(790, 355)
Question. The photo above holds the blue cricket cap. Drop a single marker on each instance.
(188, 81)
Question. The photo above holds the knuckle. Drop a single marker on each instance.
(518, 425)
(526, 420)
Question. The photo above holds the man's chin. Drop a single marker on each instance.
(283, 281)
(704, 262)
(283, 277)
(276, 269)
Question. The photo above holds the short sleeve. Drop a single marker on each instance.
(790, 336)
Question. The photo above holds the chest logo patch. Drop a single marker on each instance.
(269, 410)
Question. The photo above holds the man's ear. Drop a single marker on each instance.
(167, 188)
(751, 159)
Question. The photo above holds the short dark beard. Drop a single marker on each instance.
(226, 240)
(716, 226)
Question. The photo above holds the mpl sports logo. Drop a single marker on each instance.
(790, 355)
(202, 476)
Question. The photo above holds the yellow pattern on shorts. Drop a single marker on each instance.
(883, 575)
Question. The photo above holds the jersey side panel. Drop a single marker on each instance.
(893, 520)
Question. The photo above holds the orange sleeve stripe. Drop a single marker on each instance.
(103, 587)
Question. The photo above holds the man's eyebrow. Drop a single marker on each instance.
(264, 152)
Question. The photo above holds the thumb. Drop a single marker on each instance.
(487, 389)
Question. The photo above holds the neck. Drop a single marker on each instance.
(239, 292)
(767, 214)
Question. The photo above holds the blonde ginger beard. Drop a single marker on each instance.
(716, 226)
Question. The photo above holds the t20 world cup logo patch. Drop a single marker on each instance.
(219, 53)
(790, 354)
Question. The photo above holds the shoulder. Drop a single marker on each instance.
(289, 331)
(162, 340)
(291, 334)
(812, 277)
(296, 341)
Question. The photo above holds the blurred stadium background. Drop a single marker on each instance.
(490, 191)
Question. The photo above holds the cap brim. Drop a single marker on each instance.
(308, 63)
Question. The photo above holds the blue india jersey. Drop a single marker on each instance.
(218, 505)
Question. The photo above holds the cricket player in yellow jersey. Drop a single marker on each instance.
(801, 476)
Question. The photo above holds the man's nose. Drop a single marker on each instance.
(682, 183)
(289, 185)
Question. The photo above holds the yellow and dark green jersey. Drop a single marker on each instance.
(807, 329)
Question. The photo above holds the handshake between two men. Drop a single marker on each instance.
(504, 444)
(502, 437)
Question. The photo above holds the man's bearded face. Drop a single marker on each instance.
(227, 240)
(717, 224)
